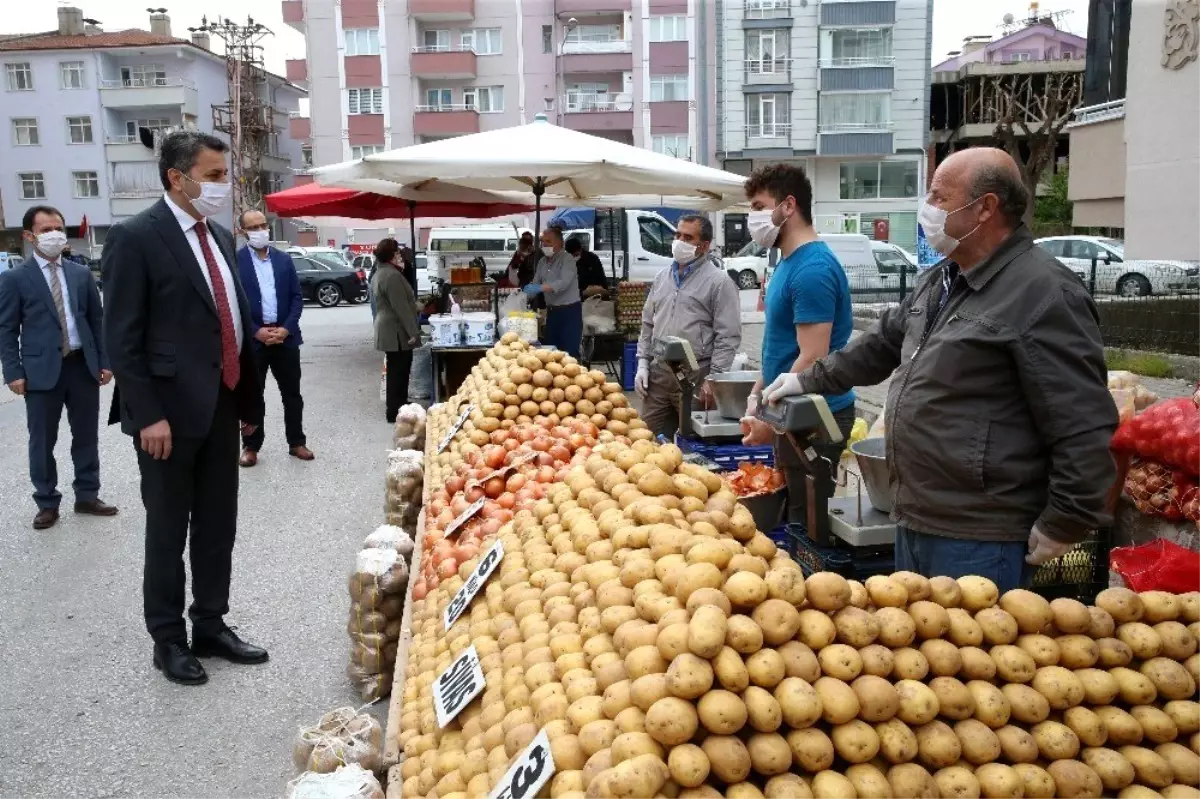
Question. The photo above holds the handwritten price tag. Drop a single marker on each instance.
(478, 577)
(453, 526)
(455, 687)
(533, 769)
(454, 428)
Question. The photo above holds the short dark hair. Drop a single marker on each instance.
(179, 151)
(386, 250)
(706, 226)
(1006, 184)
(30, 215)
(574, 245)
(556, 231)
(782, 181)
(242, 216)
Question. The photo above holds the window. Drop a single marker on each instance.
(1018, 55)
(878, 180)
(25, 131)
(439, 98)
(595, 33)
(79, 130)
(668, 28)
(588, 97)
(358, 151)
(144, 75)
(362, 41)
(306, 156)
(656, 237)
(436, 40)
(768, 116)
(484, 99)
(856, 111)
(87, 184)
(71, 74)
(547, 38)
(484, 41)
(364, 101)
(33, 185)
(156, 125)
(767, 51)
(673, 144)
(20, 77)
(668, 87)
(856, 46)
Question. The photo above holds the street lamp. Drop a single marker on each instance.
(559, 79)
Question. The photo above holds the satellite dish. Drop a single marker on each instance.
(1009, 18)
(623, 102)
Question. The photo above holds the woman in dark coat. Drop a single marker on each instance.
(397, 332)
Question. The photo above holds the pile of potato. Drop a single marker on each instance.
(668, 649)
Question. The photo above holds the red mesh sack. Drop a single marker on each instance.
(1167, 432)
(1157, 490)
(1159, 565)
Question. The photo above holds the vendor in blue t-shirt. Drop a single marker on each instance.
(808, 312)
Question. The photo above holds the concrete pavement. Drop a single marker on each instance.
(82, 710)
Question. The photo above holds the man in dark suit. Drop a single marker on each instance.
(180, 341)
(53, 354)
(273, 289)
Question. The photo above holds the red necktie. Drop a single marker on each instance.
(231, 365)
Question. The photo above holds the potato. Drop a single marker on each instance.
(1060, 686)
(1032, 612)
(1120, 603)
(1136, 688)
(766, 667)
(644, 660)
(827, 591)
(1171, 679)
(1159, 606)
(688, 765)
(671, 721)
(977, 593)
(877, 659)
(1056, 741)
(799, 660)
(1017, 744)
(706, 631)
(839, 703)
(1099, 687)
(597, 735)
(1180, 792)
(1013, 664)
(942, 656)
(964, 630)
(957, 782)
(937, 745)
(855, 741)
(878, 699)
(1189, 607)
(689, 676)
(930, 619)
(645, 691)
(1037, 781)
(721, 712)
(1028, 706)
(886, 592)
(1140, 638)
(917, 585)
(856, 627)
(1177, 643)
(868, 781)
(976, 664)
(979, 744)
(1102, 625)
(728, 756)
(763, 711)
(918, 702)
(991, 705)
(1183, 762)
(1115, 771)
(954, 700)
(817, 630)
(911, 781)
(787, 786)
(1043, 649)
(1150, 767)
(998, 625)
(1113, 652)
(897, 742)
(745, 589)
(1156, 725)
(812, 749)
(833, 785)
(1071, 617)
(896, 627)
(786, 584)
(1074, 779)
(839, 661)
(1121, 726)
(800, 703)
(1086, 725)
(672, 640)
(1185, 714)
(743, 634)
(998, 780)
(909, 664)
(708, 596)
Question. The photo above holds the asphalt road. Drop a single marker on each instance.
(82, 710)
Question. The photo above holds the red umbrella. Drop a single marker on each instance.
(316, 200)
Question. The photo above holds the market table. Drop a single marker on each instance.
(457, 362)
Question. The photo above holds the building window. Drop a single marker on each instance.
(584, 97)
(357, 152)
(79, 130)
(547, 38)
(33, 185)
(484, 41)
(668, 28)
(436, 40)
(768, 116)
(71, 74)
(306, 156)
(767, 51)
(144, 75)
(438, 99)
(673, 144)
(364, 101)
(849, 47)
(362, 41)
(856, 111)
(1018, 55)
(87, 184)
(484, 99)
(668, 87)
(25, 131)
(20, 77)
(594, 33)
(156, 126)
(878, 180)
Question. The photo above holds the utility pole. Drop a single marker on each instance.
(248, 118)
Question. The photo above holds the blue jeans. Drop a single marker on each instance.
(564, 328)
(1002, 562)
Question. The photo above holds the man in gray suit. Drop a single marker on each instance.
(52, 353)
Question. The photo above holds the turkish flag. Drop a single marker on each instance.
(83, 227)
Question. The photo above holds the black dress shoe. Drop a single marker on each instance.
(226, 644)
(178, 664)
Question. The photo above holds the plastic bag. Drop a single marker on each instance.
(342, 737)
(389, 536)
(409, 432)
(514, 303)
(523, 323)
(348, 782)
(1159, 565)
(420, 380)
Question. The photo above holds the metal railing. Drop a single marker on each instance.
(859, 61)
(584, 103)
(769, 130)
(444, 48)
(135, 139)
(768, 9)
(443, 107)
(762, 67)
(854, 127)
(1099, 113)
(146, 83)
(597, 47)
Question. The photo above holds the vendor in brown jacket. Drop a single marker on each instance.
(998, 414)
(397, 332)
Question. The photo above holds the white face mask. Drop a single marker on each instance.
(547, 251)
(933, 221)
(682, 252)
(763, 229)
(258, 238)
(51, 243)
(213, 197)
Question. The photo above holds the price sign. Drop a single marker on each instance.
(533, 769)
(504, 470)
(478, 577)
(455, 687)
(453, 526)
(458, 423)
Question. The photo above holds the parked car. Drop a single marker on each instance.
(326, 284)
(366, 263)
(1115, 275)
(335, 259)
(872, 267)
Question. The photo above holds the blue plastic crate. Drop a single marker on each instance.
(629, 365)
(728, 456)
(853, 563)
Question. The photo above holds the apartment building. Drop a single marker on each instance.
(839, 87)
(386, 74)
(73, 101)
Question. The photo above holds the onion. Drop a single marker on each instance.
(515, 483)
(494, 487)
(493, 456)
(419, 589)
(507, 500)
(560, 453)
(472, 495)
(498, 436)
(511, 444)
(546, 474)
(455, 485)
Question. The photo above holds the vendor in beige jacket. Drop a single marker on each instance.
(693, 299)
(396, 331)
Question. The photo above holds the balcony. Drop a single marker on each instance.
(122, 204)
(590, 8)
(443, 63)
(598, 113)
(293, 14)
(615, 55)
(767, 135)
(768, 9)
(126, 150)
(300, 128)
(173, 93)
(857, 74)
(1089, 115)
(442, 10)
(296, 70)
(445, 120)
(768, 72)
(855, 138)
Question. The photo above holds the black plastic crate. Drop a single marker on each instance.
(853, 563)
(1079, 574)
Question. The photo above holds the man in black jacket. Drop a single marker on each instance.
(177, 326)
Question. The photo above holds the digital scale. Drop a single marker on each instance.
(677, 353)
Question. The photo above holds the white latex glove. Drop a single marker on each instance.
(641, 380)
(1043, 548)
(752, 404)
(786, 385)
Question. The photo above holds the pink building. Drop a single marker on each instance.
(1035, 43)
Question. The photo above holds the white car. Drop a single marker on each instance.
(366, 262)
(1115, 275)
(873, 267)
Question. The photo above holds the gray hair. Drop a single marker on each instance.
(180, 149)
(706, 225)
(1005, 183)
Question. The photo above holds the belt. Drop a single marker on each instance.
(550, 307)
(73, 353)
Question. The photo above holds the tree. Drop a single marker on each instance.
(1033, 110)
(1053, 210)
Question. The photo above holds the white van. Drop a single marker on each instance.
(872, 267)
(649, 236)
(455, 246)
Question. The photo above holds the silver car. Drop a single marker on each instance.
(1115, 275)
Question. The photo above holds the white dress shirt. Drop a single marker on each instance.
(265, 271)
(72, 328)
(191, 233)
